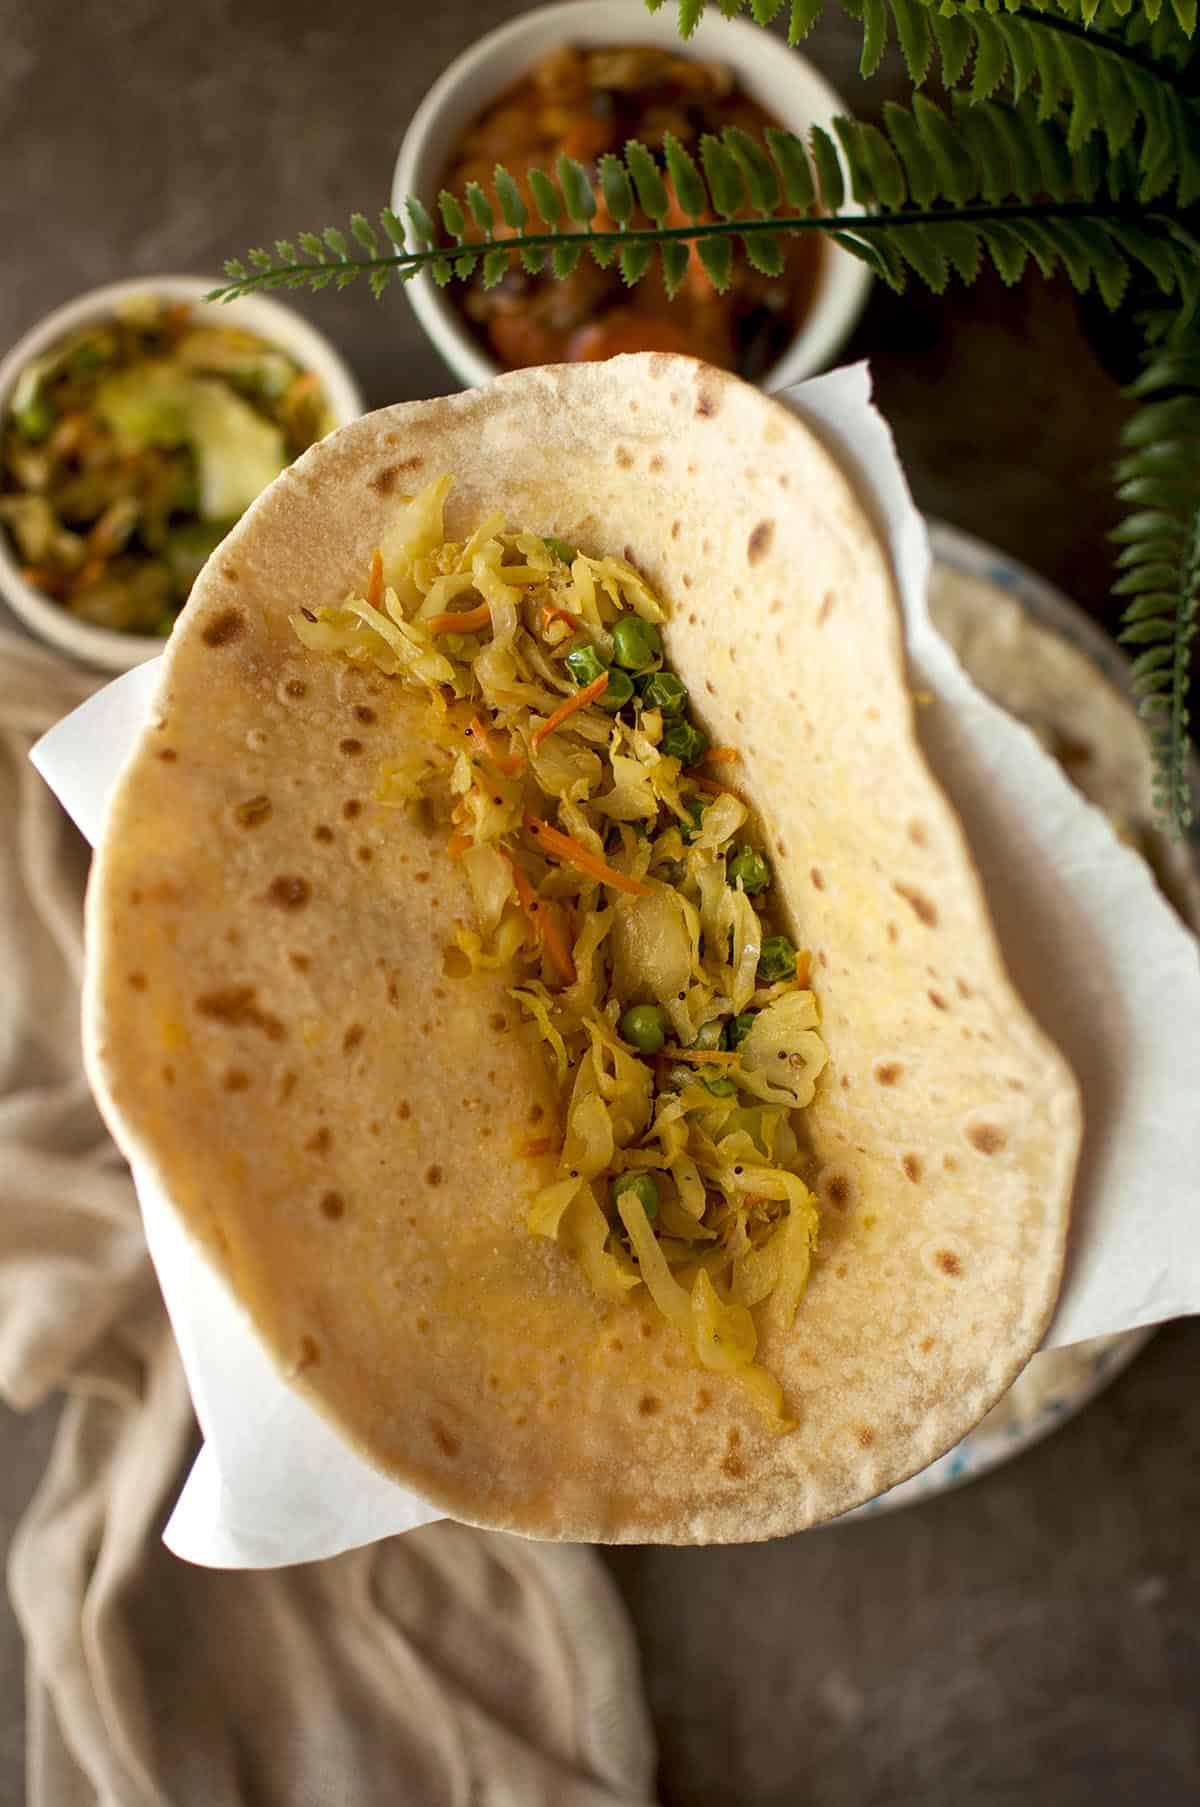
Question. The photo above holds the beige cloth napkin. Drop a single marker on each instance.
(447, 1666)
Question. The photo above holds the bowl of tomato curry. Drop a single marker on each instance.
(582, 79)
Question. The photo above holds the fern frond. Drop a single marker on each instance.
(938, 193)
(1159, 563)
(1107, 81)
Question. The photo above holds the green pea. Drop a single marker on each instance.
(689, 829)
(644, 1027)
(636, 643)
(683, 742)
(560, 549)
(616, 692)
(642, 1186)
(720, 1087)
(749, 870)
(738, 1028)
(663, 690)
(708, 1035)
(584, 663)
(777, 959)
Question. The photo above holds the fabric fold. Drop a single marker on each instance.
(446, 1666)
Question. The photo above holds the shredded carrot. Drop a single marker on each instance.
(464, 621)
(177, 318)
(701, 1054)
(375, 581)
(711, 785)
(508, 763)
(544, 918)
(565, 710)
(566, 847)
(458, 844)
(803, 968)
(300, 386)
(721, 756)
(551, 613)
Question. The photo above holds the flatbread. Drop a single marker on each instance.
(272, 1033)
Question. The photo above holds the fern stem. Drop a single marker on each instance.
(409, 262)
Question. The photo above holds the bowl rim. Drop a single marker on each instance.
(844, 288)
(271, 318)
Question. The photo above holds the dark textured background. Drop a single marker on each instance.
(1030, 1641)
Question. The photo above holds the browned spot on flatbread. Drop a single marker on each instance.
(236, 1081)
(320, 1142)
(937, 1000)
(362, 713)
(289, 892)
(385, 480)
(912, 1167)
(676, 529)
(352, 1037)
(296, 687)
(433, 1175)
(365, 855)
(168, 755)
(351, 808)
(657, 463)
(759, 543)
(237, 1007)
(322, 832)
(888, 1072)
(949, 1163)
(733, 1466)
(224, 628)
(648, 1404)
(922, 907)
(706, 404)
(301, 962)
(918, 834)
(624, 458)
(949, 1262)
(826, 608)
(866, 1436)
(986, 1137)
(893, 933)
(445, 1440)
(333, 1206)
(404, 1110)
(137, 981)
(350, 747)
(704, 1400)
(252, 812)
(818, 878)
(310, 1353)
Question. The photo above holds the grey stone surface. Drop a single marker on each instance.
(1033, 1638)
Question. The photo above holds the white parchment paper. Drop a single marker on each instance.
(1102, 960)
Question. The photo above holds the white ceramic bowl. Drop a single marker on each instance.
(781, 80)
(259, 314)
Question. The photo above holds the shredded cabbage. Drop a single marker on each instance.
(602, 879)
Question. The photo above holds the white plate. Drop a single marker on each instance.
(1060, 1382)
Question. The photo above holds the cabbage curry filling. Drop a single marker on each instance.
(621, 890)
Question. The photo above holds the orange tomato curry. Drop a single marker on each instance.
(586, 102)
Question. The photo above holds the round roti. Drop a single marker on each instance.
(273, 1033)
